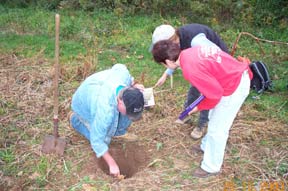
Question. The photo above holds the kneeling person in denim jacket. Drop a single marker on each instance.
(104, 106)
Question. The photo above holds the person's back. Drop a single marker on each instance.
(99, 91)
(212, 71)
(189, 31)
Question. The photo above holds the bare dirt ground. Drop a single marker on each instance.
(161, 159)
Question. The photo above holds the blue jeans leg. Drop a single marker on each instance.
(80, 125)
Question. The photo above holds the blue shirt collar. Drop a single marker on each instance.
(119, 88)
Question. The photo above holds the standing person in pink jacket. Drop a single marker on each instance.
(187, 36)
(225, 83)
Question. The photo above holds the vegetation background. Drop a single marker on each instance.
(94, 35)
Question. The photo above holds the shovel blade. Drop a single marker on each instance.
(54, 145)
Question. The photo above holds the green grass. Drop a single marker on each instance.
(8, 157)
(109, 38)
(27, 45)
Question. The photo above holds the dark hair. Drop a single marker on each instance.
(165, 49)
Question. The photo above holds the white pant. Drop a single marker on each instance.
(220, 121)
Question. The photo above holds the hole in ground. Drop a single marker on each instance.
(130, 157)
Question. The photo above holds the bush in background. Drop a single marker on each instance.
(250, 12)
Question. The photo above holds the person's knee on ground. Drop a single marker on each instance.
(79, 125)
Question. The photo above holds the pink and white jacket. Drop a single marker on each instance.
(213, 72)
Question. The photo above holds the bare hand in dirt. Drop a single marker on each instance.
(114, 170)
(113, 167)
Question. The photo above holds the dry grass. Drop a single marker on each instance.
(256, 151)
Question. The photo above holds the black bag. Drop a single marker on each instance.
(261, 80)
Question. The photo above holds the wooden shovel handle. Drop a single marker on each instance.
(56, 75)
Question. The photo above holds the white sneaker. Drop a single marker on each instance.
(197, 133)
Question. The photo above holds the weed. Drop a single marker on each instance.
(283, 168)
(41, 181)
(5, 106)
(159, 146)
(42, 166)
(7, 156)
(187, 175)
(263, 142)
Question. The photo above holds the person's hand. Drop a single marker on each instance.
(113, 167)
(114, 170)
(244, 59)
(161, 80)
(193, 110)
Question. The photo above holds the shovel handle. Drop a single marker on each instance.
(190, 107)
(55, 123)
(56, 75)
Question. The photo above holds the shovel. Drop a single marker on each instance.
(184, 114)
(53, 143)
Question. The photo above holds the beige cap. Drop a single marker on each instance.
(162, 32)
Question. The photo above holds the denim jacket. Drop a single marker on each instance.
(95, 101)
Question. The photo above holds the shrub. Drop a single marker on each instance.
(250, 12)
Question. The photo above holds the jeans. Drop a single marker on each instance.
(192, 95)
(80, 125)
(83, 127)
